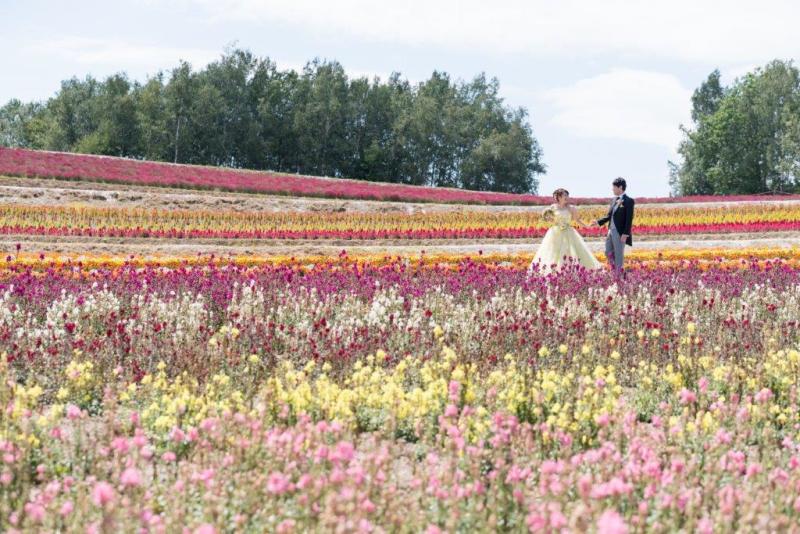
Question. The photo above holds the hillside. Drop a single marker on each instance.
(111, 170)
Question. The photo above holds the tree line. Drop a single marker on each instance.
(744, 138)
(243, 111)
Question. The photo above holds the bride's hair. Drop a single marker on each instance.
(560, 192)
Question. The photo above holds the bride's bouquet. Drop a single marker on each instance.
(549, 214)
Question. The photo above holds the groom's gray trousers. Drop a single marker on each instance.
(615, 249)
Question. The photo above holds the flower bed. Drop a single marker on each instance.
(383, 394)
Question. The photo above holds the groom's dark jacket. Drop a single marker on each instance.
(622, 217)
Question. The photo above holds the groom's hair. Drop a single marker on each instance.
(620, 182)
(560, 192)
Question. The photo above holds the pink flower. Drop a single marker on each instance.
(535, 522)
(168, 457)
(454, 390)
(611, 523)
(278, 483)
(557, 520)
(102, 494)
(687, 396)
(763, 396)
(120, 445)
(368, 506)
(753, 469)
(130, 477)
(177, 435)
(344, 451)
(451, 411)
(205, 529)
(585, 486)
(704, 526)
(73, 412)
(66, 508)
(35, 511)
(702, 384)
(285, 526)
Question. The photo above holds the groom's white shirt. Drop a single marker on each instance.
(614, 203)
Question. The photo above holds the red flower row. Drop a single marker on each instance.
(438, 233)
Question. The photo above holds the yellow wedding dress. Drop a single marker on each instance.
(563, 244)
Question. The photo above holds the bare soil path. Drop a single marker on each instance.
(184, 247)
(41, 191)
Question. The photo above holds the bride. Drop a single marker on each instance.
(562, 243)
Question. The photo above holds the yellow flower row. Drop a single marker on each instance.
(646, 257)
(410, 397)
(122, 218)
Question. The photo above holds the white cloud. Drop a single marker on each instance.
(632, 105)
(121, 53)
(730, 74)
(150, 58)
(715, 31)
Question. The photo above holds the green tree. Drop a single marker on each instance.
(321, 121)
(707, 97)
(741, 140)
(280, 97)
(117, 126)
(17, 124)
(506, 161)
(179, 95)
(153, 117)
(70, 114)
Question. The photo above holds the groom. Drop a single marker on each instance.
(620, 217)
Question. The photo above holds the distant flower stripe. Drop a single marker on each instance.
(30, 163)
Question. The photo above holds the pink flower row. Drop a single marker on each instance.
(30, 163)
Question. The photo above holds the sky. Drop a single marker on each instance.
(607, 84)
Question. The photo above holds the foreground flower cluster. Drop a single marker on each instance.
(398, 396)
(138, 222)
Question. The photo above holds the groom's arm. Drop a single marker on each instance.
(629, 217)
(603, 221)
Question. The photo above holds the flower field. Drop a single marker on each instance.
(291, 390)
(32, 163)
(414, 394)
(89, 221)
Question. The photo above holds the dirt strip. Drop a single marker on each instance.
(181, 247)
